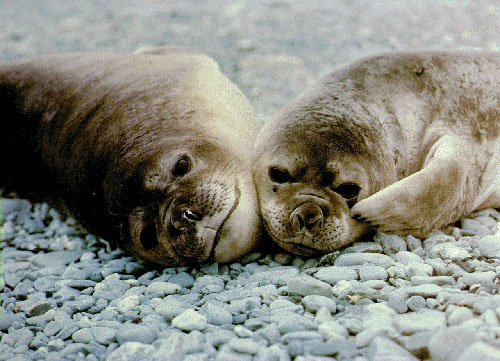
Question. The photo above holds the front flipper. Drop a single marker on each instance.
(440, 193)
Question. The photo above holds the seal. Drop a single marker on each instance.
(404, 143)
(150, 151)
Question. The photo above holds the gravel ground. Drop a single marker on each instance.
(66, 295)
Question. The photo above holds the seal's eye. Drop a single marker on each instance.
(181, 167)
(348, 190)
(279, 175)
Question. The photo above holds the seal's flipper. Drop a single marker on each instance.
(440, 191)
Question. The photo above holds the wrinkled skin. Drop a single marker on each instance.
(149, 150)
(405, 143)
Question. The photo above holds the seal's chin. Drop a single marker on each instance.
(300, 249)
(240, 231)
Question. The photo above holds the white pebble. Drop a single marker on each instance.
(190, 320)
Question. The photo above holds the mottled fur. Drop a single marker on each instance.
(418, 132)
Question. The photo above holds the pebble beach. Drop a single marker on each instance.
(67, 295)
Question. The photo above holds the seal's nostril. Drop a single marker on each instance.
(190, 215)
(300, 221)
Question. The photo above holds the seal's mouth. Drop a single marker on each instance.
(293, 244)
(236, 202)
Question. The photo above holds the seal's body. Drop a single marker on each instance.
(147, 150)
(405, 142)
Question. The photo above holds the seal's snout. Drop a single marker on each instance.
(307, 218)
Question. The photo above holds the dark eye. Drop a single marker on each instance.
(348, 190)
(279, 175)
(181, 167)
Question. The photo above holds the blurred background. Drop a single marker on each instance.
(272, 49)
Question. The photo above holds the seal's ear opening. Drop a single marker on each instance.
(149, 238)
(142, 230)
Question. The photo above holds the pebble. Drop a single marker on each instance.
(284, 304)
(480, 351)
(7, 319)
(419, 269)
(488, 246)
(415, 303)
(353, 259)
(342, 289)
(217, 315)
(225, 353)
(471, 227)
(301, 336)
(11, 206)
(273, 353)
(449, 343)
(53, 327)
(132, 351)
(397, 300)
(55, 258)
(163, 288)
(418, 344)
(425, 320)
(110, 289)
(363, 247)
(305, 285)
(290, 321)
(369, 272)
(190, 320)
(449, 251)
(435, 280)
(383, 349)
(323, 315)
(365, 337)
(18, 337)
(428, 290)
(128, 303)
(83, 336)
(135, 333)
(413, 243)
(333, 330)
(334, 274)
(277, 274)
(482, 278)
(391, 243)
(245, 345)
(405, 257)
(313, 303)
(218, 336)
(459, 315)
(170, 308)
(182, 279)
(103, 335)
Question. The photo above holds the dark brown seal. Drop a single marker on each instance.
(405, 142)
(149, 150)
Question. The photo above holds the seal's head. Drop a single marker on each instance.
(192, 209)
(311, 164)
(183, 183)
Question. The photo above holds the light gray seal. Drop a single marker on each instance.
(404, 142)
(150, 151)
